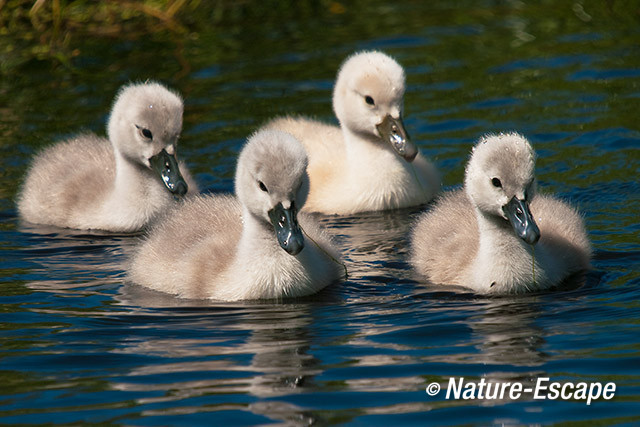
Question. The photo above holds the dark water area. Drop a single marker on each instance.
(81, 345)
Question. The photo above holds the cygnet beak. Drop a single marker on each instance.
(166, 166)
(285, 223)
(518, 213)
(393, 131)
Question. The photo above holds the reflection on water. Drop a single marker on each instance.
(383, 329)
(507, 333)
(373, 243)
(361, 349)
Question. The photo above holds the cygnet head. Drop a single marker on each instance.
(500, 181)
(368, 100)
(272, 183)
(144, 127)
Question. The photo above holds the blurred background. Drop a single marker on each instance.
(472, 66)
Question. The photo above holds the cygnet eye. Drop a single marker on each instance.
(263, 187)
(369, 100)
(145, 132)
(496, 182)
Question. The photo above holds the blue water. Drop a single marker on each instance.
(80, 345)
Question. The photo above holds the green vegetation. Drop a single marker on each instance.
(58, 30)
(52, 29)
(55, 30)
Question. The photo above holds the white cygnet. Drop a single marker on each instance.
(119, 184)
(223, 248)
(488, 235)
(369, 163)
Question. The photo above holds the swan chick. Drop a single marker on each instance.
(498, 235)
(250, 247)
(119, 184)
(369, 163)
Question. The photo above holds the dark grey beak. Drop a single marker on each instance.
(393, 131)
(285, 223)
(166, 165)
(519, 215)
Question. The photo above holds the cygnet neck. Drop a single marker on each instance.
(136, 192)
(500, 254)
(497, 235)
(370, 155)
(257, 236)
(130, 176)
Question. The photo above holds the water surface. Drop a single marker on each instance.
(82, 345)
